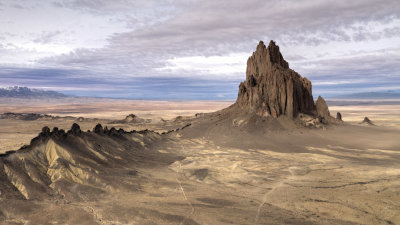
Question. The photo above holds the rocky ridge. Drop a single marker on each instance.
(61, 164)
(131, 118)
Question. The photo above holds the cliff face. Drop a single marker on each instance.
(271, 88)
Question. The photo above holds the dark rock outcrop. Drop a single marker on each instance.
(75, 129)
(367, 121)
(45, 132)
(98, 129)
(272, 88)
(339, 116)
(57, 132)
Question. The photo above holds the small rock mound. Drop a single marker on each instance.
(98, 129)
(178, 118)
(131, 117)
(367, 121)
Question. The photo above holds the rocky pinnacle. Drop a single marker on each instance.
(273, 89)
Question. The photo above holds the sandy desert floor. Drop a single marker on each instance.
(339, 175)
(16, 133)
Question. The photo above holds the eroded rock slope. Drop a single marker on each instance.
(76, 164)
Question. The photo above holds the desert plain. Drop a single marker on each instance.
(337, 174)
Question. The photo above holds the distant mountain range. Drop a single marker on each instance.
(369, 95)
(25, 92)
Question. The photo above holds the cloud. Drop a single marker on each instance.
(83, 83)
(209, 29)
(331, 42)
(228, 66)
(47, 37)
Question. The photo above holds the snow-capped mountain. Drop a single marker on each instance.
(25, 92)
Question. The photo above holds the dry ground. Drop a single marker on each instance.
(342, 175)
(15, 133)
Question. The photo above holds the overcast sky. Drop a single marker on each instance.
(195, 49)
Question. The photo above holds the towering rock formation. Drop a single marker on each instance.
(322, 108)
(272, 88)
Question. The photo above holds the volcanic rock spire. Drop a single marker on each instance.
(271, 88)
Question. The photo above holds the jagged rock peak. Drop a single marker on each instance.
(276, 56)
(269, 55)
(98, 129)
(45, 134)
(45, 131)
(271, 88)
(75, 129)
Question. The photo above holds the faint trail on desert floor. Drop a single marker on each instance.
(98, 217)
(265, 197)
(184, 195)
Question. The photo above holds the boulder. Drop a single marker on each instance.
(322, 108)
